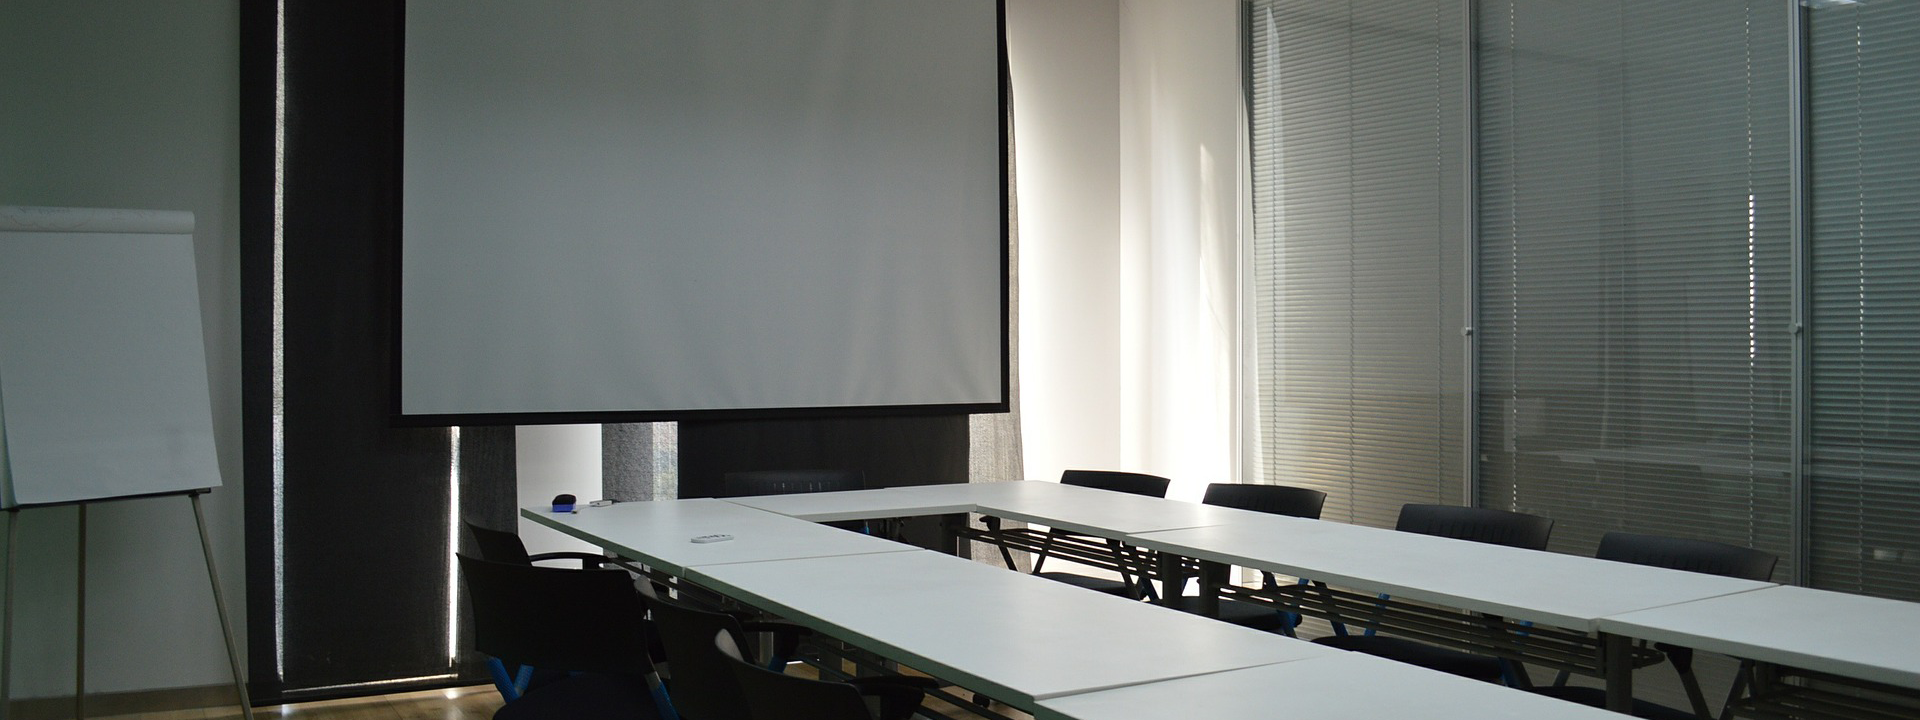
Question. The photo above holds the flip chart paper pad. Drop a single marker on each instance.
(103, 369)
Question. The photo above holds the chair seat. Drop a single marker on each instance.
(587, 696)
(1596, 697)
(1110, 586)
(1238, 612)
(1416, 653)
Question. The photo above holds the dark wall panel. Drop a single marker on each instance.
(892, 451)
(364, 509)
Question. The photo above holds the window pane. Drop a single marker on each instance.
(1635, 268)
(1865, 429)
(1358, 116)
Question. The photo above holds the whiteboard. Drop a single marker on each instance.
(103, 368)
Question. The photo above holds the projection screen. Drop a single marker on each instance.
(644, 209)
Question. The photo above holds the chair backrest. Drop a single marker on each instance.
(1126, 482)
(773, 695)
(498, 546)
(1701, 556)
(1276, 499)
(789, 482)
(559, 618)
(1498, 527)
(704, 687)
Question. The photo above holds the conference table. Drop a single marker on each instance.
(1562, 611)
(660, 534)
(1067, 507)
(1348, 686)
(1017, 638)
(1528, 606)
(1524, 605)
(1021, 639)
(1871, 645)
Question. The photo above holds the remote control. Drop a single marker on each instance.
(711, 538)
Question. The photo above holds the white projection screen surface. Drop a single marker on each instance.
(676, 208)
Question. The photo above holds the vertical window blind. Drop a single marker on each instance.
(1864, 430)
(1358, 124)
(1635, 269)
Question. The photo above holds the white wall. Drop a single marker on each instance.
(1127, 124)
(132, 105)
(1180, 170)
(1066, 95)
(550, 460)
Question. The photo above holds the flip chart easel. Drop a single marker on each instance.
(103, 384)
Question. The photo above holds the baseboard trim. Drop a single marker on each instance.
(126, 703)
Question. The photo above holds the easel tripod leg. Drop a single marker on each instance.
(220, 605)
(80, 621)
(6, 617)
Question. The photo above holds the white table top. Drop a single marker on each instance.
(1349, 686)
(1099, 512)
(1853, 635)
(660, 533)
(1562, 590)
(1095, 512)
(866, 504)
(1015, 637)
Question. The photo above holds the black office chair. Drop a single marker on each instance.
(1483, 525)
(1498, 527)
(502, 546)
(793, 482)
(603, 641)
(1116, 481)
(506, 547)
(704, 687)
(772, 695)
(1273, 499)
(1701, 556)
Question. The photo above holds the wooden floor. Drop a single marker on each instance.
(469, 703)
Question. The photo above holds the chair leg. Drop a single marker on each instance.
(1381, 605)
(1514, 674)
(1339, 628)
(1293, 618)
(501, 681)
(661, 701)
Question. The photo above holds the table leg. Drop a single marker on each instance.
(1616, 663)
(1173, 577)
(993, 526)
(1212, 576)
